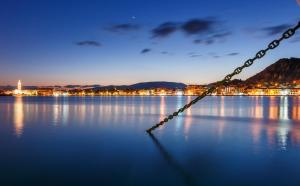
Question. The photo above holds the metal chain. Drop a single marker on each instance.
(287, 34)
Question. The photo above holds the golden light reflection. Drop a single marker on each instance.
(258, 109)
(296, 109)
(273, 108)
(222, 114)
(162, 107)
(55, 114)
(256, 132)
(188, 118)
(18, 116)
(222, 106)
(65, 113)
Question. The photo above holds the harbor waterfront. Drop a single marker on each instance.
(224, 140)
(273, 89)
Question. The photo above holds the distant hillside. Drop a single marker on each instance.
(157, 84)
(147, 85)
(283, 71)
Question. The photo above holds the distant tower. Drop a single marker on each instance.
(19, 86)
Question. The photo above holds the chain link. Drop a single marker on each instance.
(287, 34)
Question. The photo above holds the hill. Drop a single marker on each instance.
(146, 85)
(283, 71)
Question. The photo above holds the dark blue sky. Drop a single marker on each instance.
(122, 42)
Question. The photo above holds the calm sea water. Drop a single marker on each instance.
(102, 141)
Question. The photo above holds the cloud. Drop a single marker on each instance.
(210, 39)
(146, 50)
(233, 54)
(88, 43)
(198, 26)
(198, 41)
(205, 31)
(221, 35)
(190, 27)
(123, 27)
(195, 55)
(164, 29)
(277, 29)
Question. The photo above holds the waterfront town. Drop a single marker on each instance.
(233, 89)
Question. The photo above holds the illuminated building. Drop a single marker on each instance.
(179, 92)
(192, 90)
(18, 91)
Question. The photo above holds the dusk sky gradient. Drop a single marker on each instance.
(124, 42)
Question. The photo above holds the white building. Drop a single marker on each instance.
(18, 91)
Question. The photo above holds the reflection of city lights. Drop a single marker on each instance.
(188, 118)
(283, 113)
(256, 132)
(222, 107)
(179, 119)
(282, 133)
(18, 116)
(258, 110)
(56, 112)
(271, 133)
(273, 108)
(162, 108)
(296, 109)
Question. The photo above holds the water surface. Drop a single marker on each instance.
(102, 141)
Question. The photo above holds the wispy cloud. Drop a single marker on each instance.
(277, 29)
(189, 27)
(206, 30)
(193, 54)
(146, 50)
(125, 27)
(164, 29)
(89, 43)
(221, 35)
(210, 39)
(233, 54)
(198, 26)
(198, 41)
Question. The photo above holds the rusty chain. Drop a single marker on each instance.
(287, 34)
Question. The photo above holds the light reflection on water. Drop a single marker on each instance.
(251, 129)
(279, 111)
(18, 116)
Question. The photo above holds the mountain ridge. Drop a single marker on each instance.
(285, 70)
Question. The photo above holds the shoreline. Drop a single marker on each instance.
(157, 96)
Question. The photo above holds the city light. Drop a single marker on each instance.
(190, 90)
